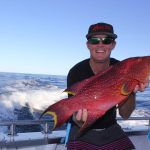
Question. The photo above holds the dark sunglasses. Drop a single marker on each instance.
(96, 40)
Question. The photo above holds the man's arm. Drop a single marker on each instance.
(127, 108)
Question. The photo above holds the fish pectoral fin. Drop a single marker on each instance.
(126, 89)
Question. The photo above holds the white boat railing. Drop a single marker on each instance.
(17, 140)
(138, 128)
(44, 137)
(136, 118)
(12, 125)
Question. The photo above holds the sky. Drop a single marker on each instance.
(48, 36)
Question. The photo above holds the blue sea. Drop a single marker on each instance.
(36, 92)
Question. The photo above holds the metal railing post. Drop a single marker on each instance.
(12, 132)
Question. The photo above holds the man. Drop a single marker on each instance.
(105, 133)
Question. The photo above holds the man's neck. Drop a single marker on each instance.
(99, 66)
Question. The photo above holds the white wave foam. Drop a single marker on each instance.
(36, 99)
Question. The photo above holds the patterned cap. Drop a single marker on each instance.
(101, 28)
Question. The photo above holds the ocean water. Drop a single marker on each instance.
(36, 92)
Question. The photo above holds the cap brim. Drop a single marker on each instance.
(100, 33)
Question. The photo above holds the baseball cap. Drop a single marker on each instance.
(101, 28)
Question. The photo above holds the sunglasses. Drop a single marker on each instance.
(96, 40)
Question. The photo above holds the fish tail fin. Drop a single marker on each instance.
(60, 112)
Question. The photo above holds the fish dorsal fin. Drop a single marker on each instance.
(79, 86)
(76, 88)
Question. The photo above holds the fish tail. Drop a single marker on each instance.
(60, 112)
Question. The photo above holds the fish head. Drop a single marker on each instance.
(140, 68)
(146, 63)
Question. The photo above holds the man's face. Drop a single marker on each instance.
(100, 51)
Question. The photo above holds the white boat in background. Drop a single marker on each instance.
(54, 140)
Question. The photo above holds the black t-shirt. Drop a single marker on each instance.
(82, 71)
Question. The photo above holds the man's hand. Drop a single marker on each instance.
(141, 87)
(80, 117)
(128, 106)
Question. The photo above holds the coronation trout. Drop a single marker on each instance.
(101, 92)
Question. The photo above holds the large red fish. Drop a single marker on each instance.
(101, 92)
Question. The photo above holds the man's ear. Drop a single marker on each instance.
(87, 45)
(113, 44)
